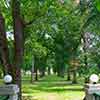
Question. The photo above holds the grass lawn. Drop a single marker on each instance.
(52, 88)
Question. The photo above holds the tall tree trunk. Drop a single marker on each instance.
(68, 75)
(74, 81)
(49, 70)
(85, 58)
(4, 47)
(18, 43)
(42, 71)
(87, 42)
(60, 71)
(32, 71)
(36, 74)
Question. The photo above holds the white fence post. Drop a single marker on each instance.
(11, 90)
(90, 89)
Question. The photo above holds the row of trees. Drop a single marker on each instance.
(60, 34)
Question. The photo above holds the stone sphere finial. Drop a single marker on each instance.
(94, 78)
(8, 78)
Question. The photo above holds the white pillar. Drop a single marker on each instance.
(11, 90)
(90, 89)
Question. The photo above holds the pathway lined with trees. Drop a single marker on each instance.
(40, 35)
(52, 88)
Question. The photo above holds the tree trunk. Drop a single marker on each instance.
(18, 43)
(86, 41)
(68, 75)
(85, 60)
(49, 70)
(32, 71)
(42, 70)
(74, 81)
(4, 47)
(60, 72)
(36, 75)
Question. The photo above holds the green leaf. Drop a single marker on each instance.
(98, 5)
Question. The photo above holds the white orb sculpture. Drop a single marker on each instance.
(8, 79)
(94, 78)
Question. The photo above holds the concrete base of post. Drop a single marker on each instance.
(90, 89)
(13, 97)
(11, 90)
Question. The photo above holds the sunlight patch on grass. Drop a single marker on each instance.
(53, 88)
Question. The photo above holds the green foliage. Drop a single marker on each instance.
(54, 34)
(98, 5)
(56, 22)
(27, 63)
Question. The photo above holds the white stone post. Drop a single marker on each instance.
(9, 90)
(90, 89)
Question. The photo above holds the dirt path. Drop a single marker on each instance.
(51, 97)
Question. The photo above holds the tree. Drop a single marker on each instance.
(18, 41)
(4, 46)
(14, 70)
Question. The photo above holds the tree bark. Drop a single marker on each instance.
(49, 70)
(32, 71)
(86, 41)
(4, 47)
(68, 75)
(36, 74)
(18, 41)
(74, 81)
(42, 71)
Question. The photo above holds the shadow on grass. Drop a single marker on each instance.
(50, 84)
(54, 87)
(58, 89)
